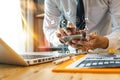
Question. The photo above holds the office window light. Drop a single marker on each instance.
(11, 24)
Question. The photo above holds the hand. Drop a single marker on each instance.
(69, 30)
(91, 42)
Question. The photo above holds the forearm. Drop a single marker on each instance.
(51, 22)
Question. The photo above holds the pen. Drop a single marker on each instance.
(61, 60)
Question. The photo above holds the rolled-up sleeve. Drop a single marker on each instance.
(51, 22)
(114, 37)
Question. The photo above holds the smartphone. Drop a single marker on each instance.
(69, 38)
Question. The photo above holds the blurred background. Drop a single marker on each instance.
(21, 24)
(32, 19)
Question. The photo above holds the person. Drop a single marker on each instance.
(102, 20)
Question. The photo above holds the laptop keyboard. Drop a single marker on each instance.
(36, 59)
(34, 56)
(97, 61)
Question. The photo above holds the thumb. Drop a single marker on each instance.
(70, 25)
(91, 36)
(70, 29)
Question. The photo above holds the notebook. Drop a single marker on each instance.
(9, 56)
(91, 63)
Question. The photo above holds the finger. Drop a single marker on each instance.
(81, 31)
(92, 44)
(70, 24)
(82, 47)
(85, 48)
(62, 40)
(62, 32)
(86, 45)
(69, 43)
(77, 46)
(91, 36)
(80, 42)
(68, 30)
(58, 35)
(71, 28)
(75, 40)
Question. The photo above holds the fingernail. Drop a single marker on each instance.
(91, 51)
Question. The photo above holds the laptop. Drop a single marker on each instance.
(10, 56)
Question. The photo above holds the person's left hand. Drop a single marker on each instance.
(91, 42)
(67, 31)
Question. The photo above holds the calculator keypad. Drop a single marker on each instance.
(97, 61)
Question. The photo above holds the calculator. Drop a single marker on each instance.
(97, 61)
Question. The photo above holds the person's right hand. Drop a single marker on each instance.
(91, 42)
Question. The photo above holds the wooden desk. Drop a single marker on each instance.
(43, 72)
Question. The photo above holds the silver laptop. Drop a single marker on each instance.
(9, 56)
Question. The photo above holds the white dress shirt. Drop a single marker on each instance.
(103, 17)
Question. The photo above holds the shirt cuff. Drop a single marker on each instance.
(114, 42)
